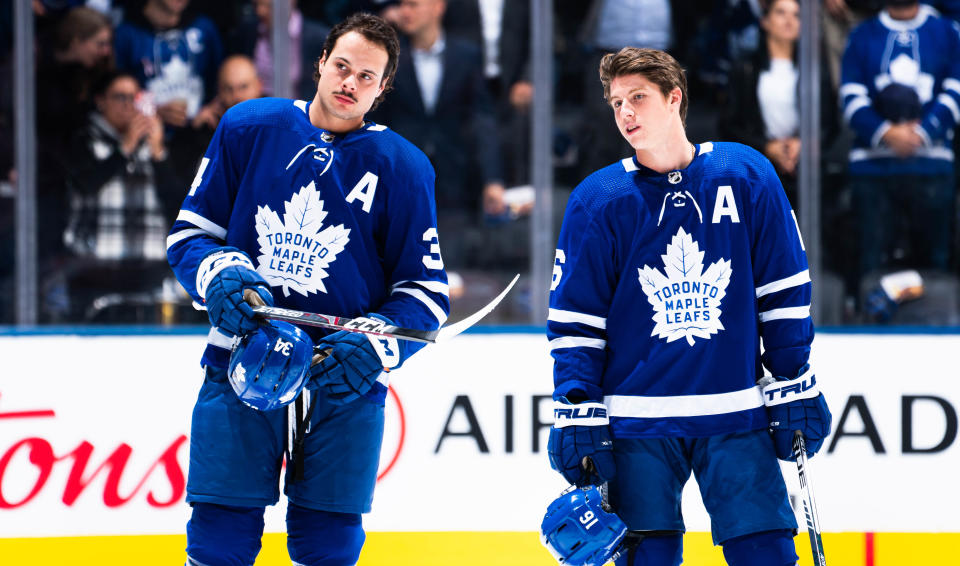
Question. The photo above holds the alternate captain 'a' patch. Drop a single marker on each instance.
(686, 299)
(296, 252)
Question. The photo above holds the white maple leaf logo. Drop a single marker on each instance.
(685, 298)
(295, 253)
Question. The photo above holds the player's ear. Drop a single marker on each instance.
(675, 97)
(320, 62)
(383, 85)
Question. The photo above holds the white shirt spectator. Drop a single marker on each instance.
(428, 63)
(777, 94)
(491, 16)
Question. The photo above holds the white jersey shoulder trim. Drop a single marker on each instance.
(706, 147)
(432, 306)
(301, 104)
(577, 342)
(376, 128)
(683, 405)
(785, 313)
(629, 165)
(793, 281)
(558, 315)
(200, 222)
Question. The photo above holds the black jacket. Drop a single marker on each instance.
(460, 136)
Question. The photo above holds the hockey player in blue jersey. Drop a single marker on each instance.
(312, 208)
(672, 265)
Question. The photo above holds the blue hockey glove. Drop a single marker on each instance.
(221, 279)
(580, 447)
(797, 405)
(355, 363)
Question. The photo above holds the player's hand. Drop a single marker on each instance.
(226, 307)
(173, 113)
(355, 363)
(797, 405)
(580, 447)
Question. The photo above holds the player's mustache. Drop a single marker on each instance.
(347, 94)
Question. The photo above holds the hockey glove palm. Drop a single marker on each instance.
(580, 447)
(355, 363)
(223, 276)
(797, 405)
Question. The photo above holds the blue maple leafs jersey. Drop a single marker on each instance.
(176, 64)
(664, 285)
(338, 224)
(921, 54)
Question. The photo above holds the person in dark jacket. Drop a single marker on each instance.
(763, 105)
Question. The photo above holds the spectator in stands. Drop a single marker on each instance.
(839, 18)
(440, 104)
(174, 53)
(763, 109)
(78, 50)
(610, 26)
(237, 81)
(506, 49)
(901, 97)
(123, 196)
(81, 48)
(253, 38)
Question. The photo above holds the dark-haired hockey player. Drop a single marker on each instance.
(317, 210)
(671, 267)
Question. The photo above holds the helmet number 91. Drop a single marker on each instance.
(588, 519)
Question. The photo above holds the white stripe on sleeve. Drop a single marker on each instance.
(793, 281)
(577, 342)
(558, 315)
(173, 239)
(785, 313)
(951, 105)
(202, 223)
(427, 301)
(854, 105)
(432, 286)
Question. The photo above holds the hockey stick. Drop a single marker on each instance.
(379, 328)
(809, 504)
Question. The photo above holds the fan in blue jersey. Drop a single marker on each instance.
(307, 206)
(901, 99)
(672, 265)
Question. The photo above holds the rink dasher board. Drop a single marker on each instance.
(472, 437)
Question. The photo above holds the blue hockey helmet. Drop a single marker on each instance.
(578, 530)
(269, 366)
